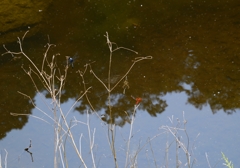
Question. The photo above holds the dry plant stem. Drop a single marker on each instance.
(45, 54)
(111, 132)
(134, 61)
(16, 114)
(60, 122)
(56, 130)
(5, 160)
(177, 145)
(166, 154)
(64, 144)
(177, 160)
(155, 162)
(91, 140)
(145, 144)
(72, 139)
(51, 84)
(56, 105)
(208, 160)
(22, 52)
(77, 101)
(91, 71)
(133, 161)
(58, 141)
(130, 134)
(84, 85)
(60, 152)
(185, 131)
(111, 140)
(70, 134)
(109, 89)
(80, 144)
(48, 82)
(112, 125)
(194, 160)
(50, 91)
(29, 72)
(110, 46)
(179, 142)
(174, 132)
(60, 89)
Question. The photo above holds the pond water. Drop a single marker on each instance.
(192, 82)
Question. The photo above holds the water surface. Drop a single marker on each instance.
(195, 69)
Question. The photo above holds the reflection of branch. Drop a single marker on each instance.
(27, 149)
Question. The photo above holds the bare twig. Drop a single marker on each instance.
(130, 134)
(91, 140)
(208, 160)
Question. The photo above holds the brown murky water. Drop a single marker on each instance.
(195, 68)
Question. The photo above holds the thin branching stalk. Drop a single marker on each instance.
(134, 62)
(111, 127)
(209, 165)
(174, 131)
(72, 138)
(130, 135)
(5, 160)
(166, 154)
(63, 165)
(155, 161)
(80, 144)
(43, 78)
(111, 139)
(17, 114)
(188, 156)
(53, 82)
(91, 140)
(48, 81)
(177, 147)
(77, 101)
(140, 148)
(84, 85)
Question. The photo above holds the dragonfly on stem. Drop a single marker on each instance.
(70, 60)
